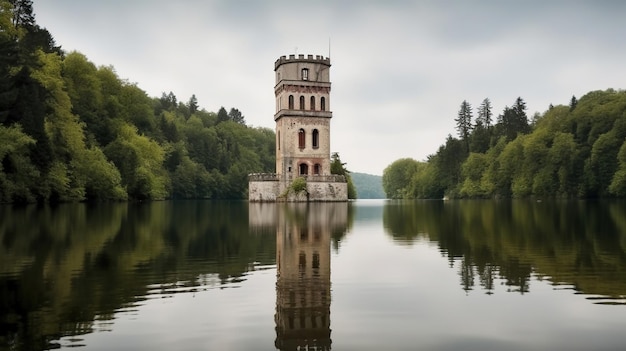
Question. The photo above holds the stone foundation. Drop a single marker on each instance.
(273, 188)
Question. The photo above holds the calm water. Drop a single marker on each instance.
(430, 275)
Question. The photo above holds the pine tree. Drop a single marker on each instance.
(485, 114)
(573, 103)
(464, 122)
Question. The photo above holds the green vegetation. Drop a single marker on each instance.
(337, 167)
(574, 151)
(368, 186)
(297, 187)
(72, 131)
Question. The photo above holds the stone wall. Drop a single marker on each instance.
(270, 190)
(263, 190)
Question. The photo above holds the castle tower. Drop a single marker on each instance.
(302, 115)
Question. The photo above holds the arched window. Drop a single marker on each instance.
(301, 102)
(316, 139)
(291, 102)
(304, 169)
(301, 135)
(313, 103)
(317, 169)
(323, 103)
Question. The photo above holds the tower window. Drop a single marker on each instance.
(316, 139)
(313, 103)
(304, 169)
(305, 74)
(302, 102)
(323, 103)
(301, 135)
(291, 102)
(316, 169)
(278, 139)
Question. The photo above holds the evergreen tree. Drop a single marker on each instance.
(236, 116)
(464, 123)
(193, 104)
(572, 104)
(485, 114)
(222, 115)
(23, 16)
(513, 120)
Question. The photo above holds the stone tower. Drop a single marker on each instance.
(302, 117)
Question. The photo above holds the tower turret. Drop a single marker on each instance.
(302, 115)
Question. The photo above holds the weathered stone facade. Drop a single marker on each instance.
(302, 118)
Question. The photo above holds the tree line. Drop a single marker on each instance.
(576, 150)
(72, 131)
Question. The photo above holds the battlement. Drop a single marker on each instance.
(301, 58)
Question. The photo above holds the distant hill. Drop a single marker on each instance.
(368, 186)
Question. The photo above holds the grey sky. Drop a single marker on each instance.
(400, 69)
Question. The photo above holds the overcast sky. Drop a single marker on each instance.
(400, 69)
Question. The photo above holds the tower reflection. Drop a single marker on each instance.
(303, 239)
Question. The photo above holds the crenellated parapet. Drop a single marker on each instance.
(318, 59)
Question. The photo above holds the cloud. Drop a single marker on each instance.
(400, 69)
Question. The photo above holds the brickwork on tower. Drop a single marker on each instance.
(303, 114)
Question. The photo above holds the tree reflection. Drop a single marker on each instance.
(67, 270)
(579, 243)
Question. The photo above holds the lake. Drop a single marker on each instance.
(365, 275)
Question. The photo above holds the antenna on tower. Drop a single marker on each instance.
(329, 48)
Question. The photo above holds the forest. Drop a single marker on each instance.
(72, 131)
(576, 150)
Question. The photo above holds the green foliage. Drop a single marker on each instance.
(618, 183)
(337, 167)
(78, 132)
(298, 185)
(569, 151)
(425, 183)
(396, 177)
(464, 122)
(17, 172)
(472, 170)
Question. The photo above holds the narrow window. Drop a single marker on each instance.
(323, 104)
(291, 102)
(316, 139)
(313, 103)
(278, 141)
(302, 102)
(305, 74)
(301, 136)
